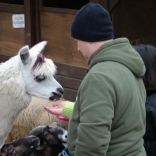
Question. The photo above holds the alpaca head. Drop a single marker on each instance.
(38, 73)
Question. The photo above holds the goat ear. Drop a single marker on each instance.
(38, 48)
(24, 54)
(37, 130)
(3, 150)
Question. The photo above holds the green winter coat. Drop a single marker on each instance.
(108, 118)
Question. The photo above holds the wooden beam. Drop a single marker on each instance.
(95, 1)
(11, 8)
(115, 15)
(70, 94)
(105, 4)
(4, 58)
(28, 21)
(68, 82)
(40, 3)
(35, 21)
(58, 10)
(112, 4)
(71, 71)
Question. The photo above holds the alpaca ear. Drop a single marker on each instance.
(38, 48)
(24, 54)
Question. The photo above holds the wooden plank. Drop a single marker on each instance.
(28, 23)
(36, 22)
(112, 4)
(105, 4)
(4, 58)
(71, 71)
(11, 40)
(40, 3)
(95, 1)
(55, 28)
(9, 48)
(18, 2)
(68, 82)
(68, 6)
(11, 8)
(70, 94)
(58, 10)
(115, 14)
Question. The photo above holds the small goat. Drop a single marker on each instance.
(53, 135)
(22, 147)
(43, 141)
(22, 76)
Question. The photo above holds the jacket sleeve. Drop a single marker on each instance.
(68, 109)
(97, 100)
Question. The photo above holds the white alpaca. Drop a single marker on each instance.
(24, 75)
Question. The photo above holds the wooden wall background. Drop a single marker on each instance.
(11, 40)
(135, 20)
(55, 28)
(51, 20)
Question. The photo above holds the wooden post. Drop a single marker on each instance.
(32, 24)
(112, 4)
(95, 1)
(28, 21)
(105, 4)
(37, 22)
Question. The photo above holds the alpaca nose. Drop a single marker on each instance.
(66, 136)
(57, 95)
(60, 90)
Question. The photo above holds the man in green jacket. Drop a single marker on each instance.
(108, 117)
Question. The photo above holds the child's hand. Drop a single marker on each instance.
(56, 108)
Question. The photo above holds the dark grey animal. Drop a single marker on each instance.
(47, 140)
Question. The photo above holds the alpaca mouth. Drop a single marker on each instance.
(55, 96)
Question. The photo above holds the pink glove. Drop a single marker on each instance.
(60, 117)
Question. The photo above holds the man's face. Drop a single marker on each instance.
(84, 48)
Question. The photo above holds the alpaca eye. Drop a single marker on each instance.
(40, 78)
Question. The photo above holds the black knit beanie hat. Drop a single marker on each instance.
(92, 23)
